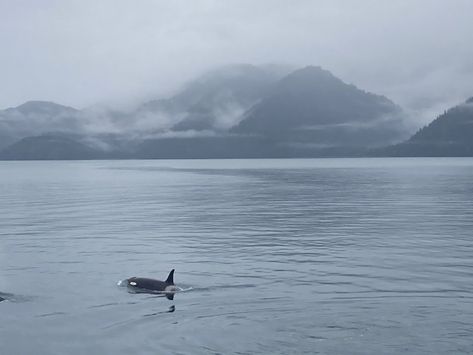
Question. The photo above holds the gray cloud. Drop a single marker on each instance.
(80, 53)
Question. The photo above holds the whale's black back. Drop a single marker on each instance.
(145, 285)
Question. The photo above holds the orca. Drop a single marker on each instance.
(2, 299)
(145, 285)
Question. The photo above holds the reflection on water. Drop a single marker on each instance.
(273, 256)
(170, 310)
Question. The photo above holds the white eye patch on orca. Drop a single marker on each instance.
(133, 283)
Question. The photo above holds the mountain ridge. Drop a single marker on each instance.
(450, 134)
(307, 113)
(312, 97)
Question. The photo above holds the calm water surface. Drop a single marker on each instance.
(343, 256)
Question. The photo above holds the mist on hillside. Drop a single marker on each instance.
(115, 77)
(120, 54)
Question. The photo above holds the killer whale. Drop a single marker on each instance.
(146, 285)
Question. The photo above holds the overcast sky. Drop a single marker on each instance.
(419, 53)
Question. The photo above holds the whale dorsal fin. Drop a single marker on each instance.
(170, 279)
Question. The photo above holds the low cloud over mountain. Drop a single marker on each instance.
(234, 111)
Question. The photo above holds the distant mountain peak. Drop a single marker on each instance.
(312, 70)
(312, 106)
(313, 74)
(38, 106)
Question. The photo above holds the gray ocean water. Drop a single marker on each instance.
(329, 256)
